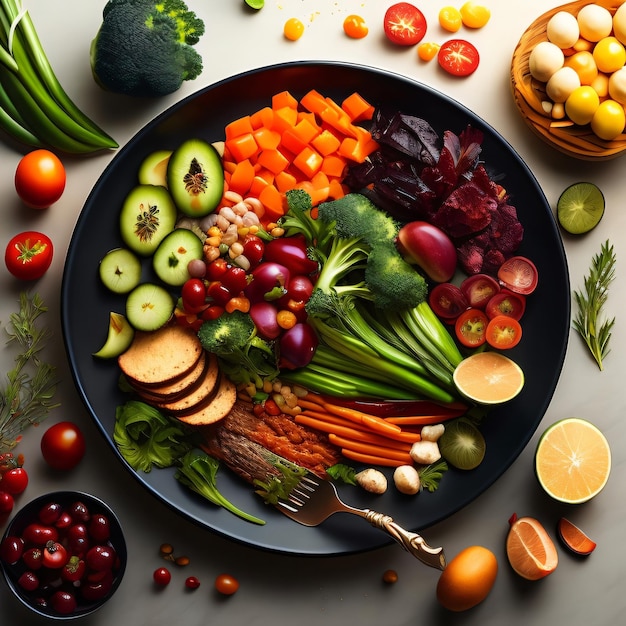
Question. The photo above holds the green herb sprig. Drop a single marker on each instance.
(28, 394)
(589, 321)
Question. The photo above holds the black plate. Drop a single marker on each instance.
(86, 304)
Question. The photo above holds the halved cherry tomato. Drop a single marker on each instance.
(519, 274)
(404, 24)
(503, 332)
(447, 301)
(506, 303)
(479, 289)
(458, 57)
(28, 255)
(471, 328)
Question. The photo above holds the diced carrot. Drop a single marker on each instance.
(274, 160)
(242, 147)
(314, 101)
(263, 118)
(357, 107)
(308, 161)
(336, 190)
(285, 181)
(326, 142)
(284, 118)
(257, 185)
(357, 149)
(284, 99)
(229, 166)
(317, 195)
(266, 138)
(242, 176)
(333, 165)
(274, 203)
(309, 117)
(240, 126)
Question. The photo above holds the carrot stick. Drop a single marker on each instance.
(369, 459)
(306, 403)
(419, 420)
(375, 423)
(320, 423)
(370, 448)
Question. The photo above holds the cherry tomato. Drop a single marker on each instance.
(63, 446)
(253, 249)
(447, 301)
(6, 502)
(28, 255)
(503, 332)
(235, 279)
(96, 590)
(192, 582)
(162, 576)
(14, 481)
(226, 584)
(63, 602)
(11, 549)
(216, 269)
(479, 289)
(33, 558)
(404, 24)
(292, 253)
(519, 274)
(193, 294)
(458, 57)
(293, 29)
(79, 512)
(100, 558)
(506, 303)
(28, 581)
(50, 513)
(471, 327)
(354, 26)
(39, 535)
(55, 555)
(74, 569)
(99, 528)
(40, 179)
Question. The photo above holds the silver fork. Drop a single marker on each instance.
(313, 500)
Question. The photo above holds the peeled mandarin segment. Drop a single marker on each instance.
(530, 550)
(572, 461)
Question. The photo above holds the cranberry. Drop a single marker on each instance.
(50, 513)
(99, 528)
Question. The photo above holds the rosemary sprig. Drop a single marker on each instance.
(592, 327)
(28, 394)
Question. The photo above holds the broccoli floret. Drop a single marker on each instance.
(244, 356)
(144, 47)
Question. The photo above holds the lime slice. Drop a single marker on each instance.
(580, 207)
(462, 444)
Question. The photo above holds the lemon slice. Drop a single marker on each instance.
(488, 378)
(572, 460)
(580, 208)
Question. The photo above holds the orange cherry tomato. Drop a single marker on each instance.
(503, 332)
(471, 328)
(40, 179)
(354, 26)
(226, 584)
(293, 29)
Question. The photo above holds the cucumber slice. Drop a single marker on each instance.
(153, 169)
(195, 177)
(172, 257)
(149, 306)
(147, 216)
(120, 270)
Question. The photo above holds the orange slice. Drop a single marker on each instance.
(572, 460)
(488, 378)
(574, 538)
(530, 550)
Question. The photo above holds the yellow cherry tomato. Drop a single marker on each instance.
(354, 26)
(584, 65)
(581, 105)
(427, 51)
(293, 29)
(609, 54)
(474, 15)
(609, 120)
(450, 19)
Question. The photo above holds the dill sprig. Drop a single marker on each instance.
(28, 393)
(589, 321)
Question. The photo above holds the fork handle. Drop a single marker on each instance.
(412, 542)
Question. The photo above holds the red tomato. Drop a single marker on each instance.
(63, 446)
(479, 289)
(447, 301)
(162, 576)
(506, 303)
(226, 584)
(28, 255)
(193, 294)
(55, 555)
(471, 327)
(40, 179)
(503, 332)
(14, 481)
(6, 503)
(404, 24)
(519, 274)
(458, 57)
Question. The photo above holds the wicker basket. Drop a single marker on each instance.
(577, 141)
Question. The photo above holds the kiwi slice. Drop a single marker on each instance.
(153, 169)
(147, 216)
(462, 444)
(148, 307)
(172, 257)
(195, 177)
(120, 270)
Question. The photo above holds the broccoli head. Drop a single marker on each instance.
(144, 47)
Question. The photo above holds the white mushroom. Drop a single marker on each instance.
(406, 479)
(372, 480)
(425, 452)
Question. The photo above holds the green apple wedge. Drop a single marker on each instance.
(119, 337)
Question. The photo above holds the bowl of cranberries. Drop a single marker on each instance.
(63, 554)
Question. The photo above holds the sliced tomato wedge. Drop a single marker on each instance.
(447, 301)
(503, 332)
(506, 303)
(404, 24)
(479, 289)
(471, 328)
(519, 274)
(458, 57)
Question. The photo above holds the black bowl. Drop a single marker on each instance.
(33, 599)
